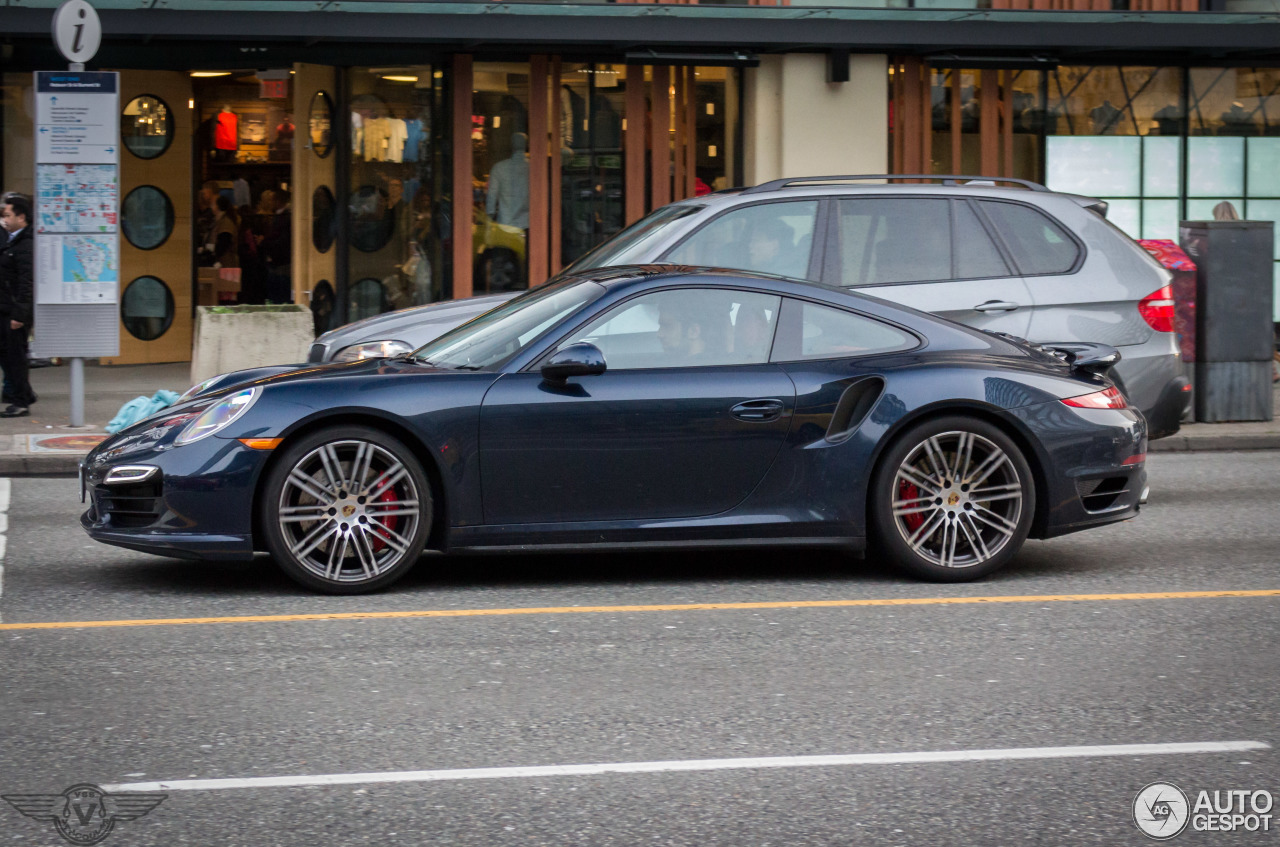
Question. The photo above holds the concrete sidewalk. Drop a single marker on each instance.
(44, 444)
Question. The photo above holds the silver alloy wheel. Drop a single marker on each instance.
(348, 510)
(957, 499)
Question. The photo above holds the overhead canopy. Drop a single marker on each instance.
(333, 31)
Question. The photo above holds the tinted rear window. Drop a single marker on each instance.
(1038, 244)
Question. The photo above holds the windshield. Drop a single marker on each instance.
(627, 247)
(499, 334)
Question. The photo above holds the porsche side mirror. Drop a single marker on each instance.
(579, 359)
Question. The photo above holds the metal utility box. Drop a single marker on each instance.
(1234, 293)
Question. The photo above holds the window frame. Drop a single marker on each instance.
(817, 247)
(1082, 251)
(783, 310)
(536, 365)
(831, 267)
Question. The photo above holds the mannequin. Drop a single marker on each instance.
(1105, 118)
(226, 135)
(507, 198)
(1236, 121)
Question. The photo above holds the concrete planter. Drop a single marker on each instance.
(248, 337)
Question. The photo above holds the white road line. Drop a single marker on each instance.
(695, 765)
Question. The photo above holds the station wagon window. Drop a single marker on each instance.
(911, 239)
(1038, 245)
(772, 238)
(688, 327)
(811, 331)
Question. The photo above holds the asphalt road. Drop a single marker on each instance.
(242, 700)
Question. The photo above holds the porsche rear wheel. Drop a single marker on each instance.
(346, 510)
(953, 500)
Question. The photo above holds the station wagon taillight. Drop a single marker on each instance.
(1157, 309)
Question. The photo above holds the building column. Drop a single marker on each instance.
(798, 124)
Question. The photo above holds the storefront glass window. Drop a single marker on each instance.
(1114, 133)
(716, 111)
(956, 106)
(146, 309)
(146, 217)
(397, 203)
(145, 127)
(500, 185)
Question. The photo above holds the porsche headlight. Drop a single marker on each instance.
(221, 414)
(372, 350)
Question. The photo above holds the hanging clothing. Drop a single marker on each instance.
(357, 132)
(226, 131)
(414, 136)
(396, 136)
(240, 193)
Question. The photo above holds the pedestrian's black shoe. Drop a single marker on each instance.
(15, 411)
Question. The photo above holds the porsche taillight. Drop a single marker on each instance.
(1157, 309)
(1111, 398)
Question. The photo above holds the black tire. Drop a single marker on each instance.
(929, 523)
(500, 271)
(354, 517)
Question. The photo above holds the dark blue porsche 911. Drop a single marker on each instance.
(656, 405)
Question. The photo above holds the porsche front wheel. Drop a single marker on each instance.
(346, 510)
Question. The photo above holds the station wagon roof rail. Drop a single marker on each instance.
(945, 179)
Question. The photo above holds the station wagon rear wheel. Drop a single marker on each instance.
(346, 510)
(953, 500)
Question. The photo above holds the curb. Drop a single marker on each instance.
(1214, 443)
(66, 464)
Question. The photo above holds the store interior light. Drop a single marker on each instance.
(399, 78)
(204, 74)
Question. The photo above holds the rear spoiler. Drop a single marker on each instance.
(1085, 356)
(1093, 204)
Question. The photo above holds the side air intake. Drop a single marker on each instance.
(855, 404)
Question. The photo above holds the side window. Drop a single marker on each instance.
(810, 331)
(894, 239)
(688, 327)
(773, 238)
(1038, 245)
(976, 254)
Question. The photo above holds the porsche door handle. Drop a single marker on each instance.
(758, 410)
(997, 306)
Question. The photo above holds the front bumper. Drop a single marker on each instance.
(199, 505)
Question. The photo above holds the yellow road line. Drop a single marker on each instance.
(681, 607)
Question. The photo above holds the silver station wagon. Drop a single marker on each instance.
(1002, 255)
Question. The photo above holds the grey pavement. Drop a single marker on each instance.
(244, 699)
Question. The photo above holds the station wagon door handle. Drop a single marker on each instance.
(758, 410)
(996, 306)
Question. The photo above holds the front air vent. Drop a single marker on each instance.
(855, 404)
(129, 506)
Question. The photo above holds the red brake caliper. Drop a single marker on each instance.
(906, 493)
(389, 521)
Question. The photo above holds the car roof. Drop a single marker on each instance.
(942, 185)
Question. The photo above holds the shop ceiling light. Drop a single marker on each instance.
(203, 74)
(399, 78)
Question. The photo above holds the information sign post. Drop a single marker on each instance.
(77, 203)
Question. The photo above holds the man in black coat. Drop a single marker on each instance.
(16, 299)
